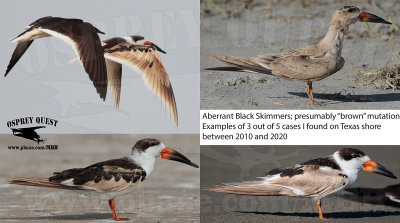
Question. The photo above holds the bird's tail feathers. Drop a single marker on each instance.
(255, 188)
(37, 182)
(239, 64)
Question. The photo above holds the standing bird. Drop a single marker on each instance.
(110, 178)
(82, 36)
(141, 56)
(309, 64)
(315, 178)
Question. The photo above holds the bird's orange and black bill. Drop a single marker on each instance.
(171, 154)
(374, 167)
(157, 47)
(368, 17)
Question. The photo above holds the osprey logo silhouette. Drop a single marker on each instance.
(29, 133)
(28, 127)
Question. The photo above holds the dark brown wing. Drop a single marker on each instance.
(17, 54)
(83, 37)
(111, 175)
(146, 60)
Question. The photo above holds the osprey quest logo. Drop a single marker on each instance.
(29, 128)
(29, 133)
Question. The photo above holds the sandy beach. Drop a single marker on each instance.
(261, 27)
(169, 194)
(224, 164)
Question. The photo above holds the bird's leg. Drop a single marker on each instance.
(309, 93)
(111, 203)
(320, 210)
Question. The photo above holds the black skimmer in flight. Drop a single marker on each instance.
(82, 36)
(315, 178)
(111, 178)
(142, 56)
(29, 133)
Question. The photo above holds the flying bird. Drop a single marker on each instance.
(111, 178)
(309, 64)
(142, 56)
(29, 133)
(81, 36)
(316, 178)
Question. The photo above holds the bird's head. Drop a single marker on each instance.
(148, 43)
(139, 40)
(353, 160)
(154, 148)
(351, 14)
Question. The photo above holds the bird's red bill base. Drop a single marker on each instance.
(368, 17)
(374, 167)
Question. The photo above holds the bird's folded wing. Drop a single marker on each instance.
(85, 41)
(301, 68)
(147, 61)
(17, 54)
(312, 181)
(115, 175)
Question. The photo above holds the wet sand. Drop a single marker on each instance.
(169, 194)
(264, 27)
(224, 164)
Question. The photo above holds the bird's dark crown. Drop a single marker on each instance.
(144, 144)
(350, 153)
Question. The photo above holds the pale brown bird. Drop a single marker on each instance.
(142, 56)
(316, 178)
(309, 64)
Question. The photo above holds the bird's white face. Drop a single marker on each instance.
(355, 164)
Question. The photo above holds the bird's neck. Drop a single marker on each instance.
(144, 160)
(333, 40)
(352, 175)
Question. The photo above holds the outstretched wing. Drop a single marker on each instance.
(84, 39)
(114, 73)
(146, 60)
(17, 54)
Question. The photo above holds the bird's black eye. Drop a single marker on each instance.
(351, 10)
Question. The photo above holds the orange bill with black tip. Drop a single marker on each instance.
(368, 17)
(374, 167)
(170, 154)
